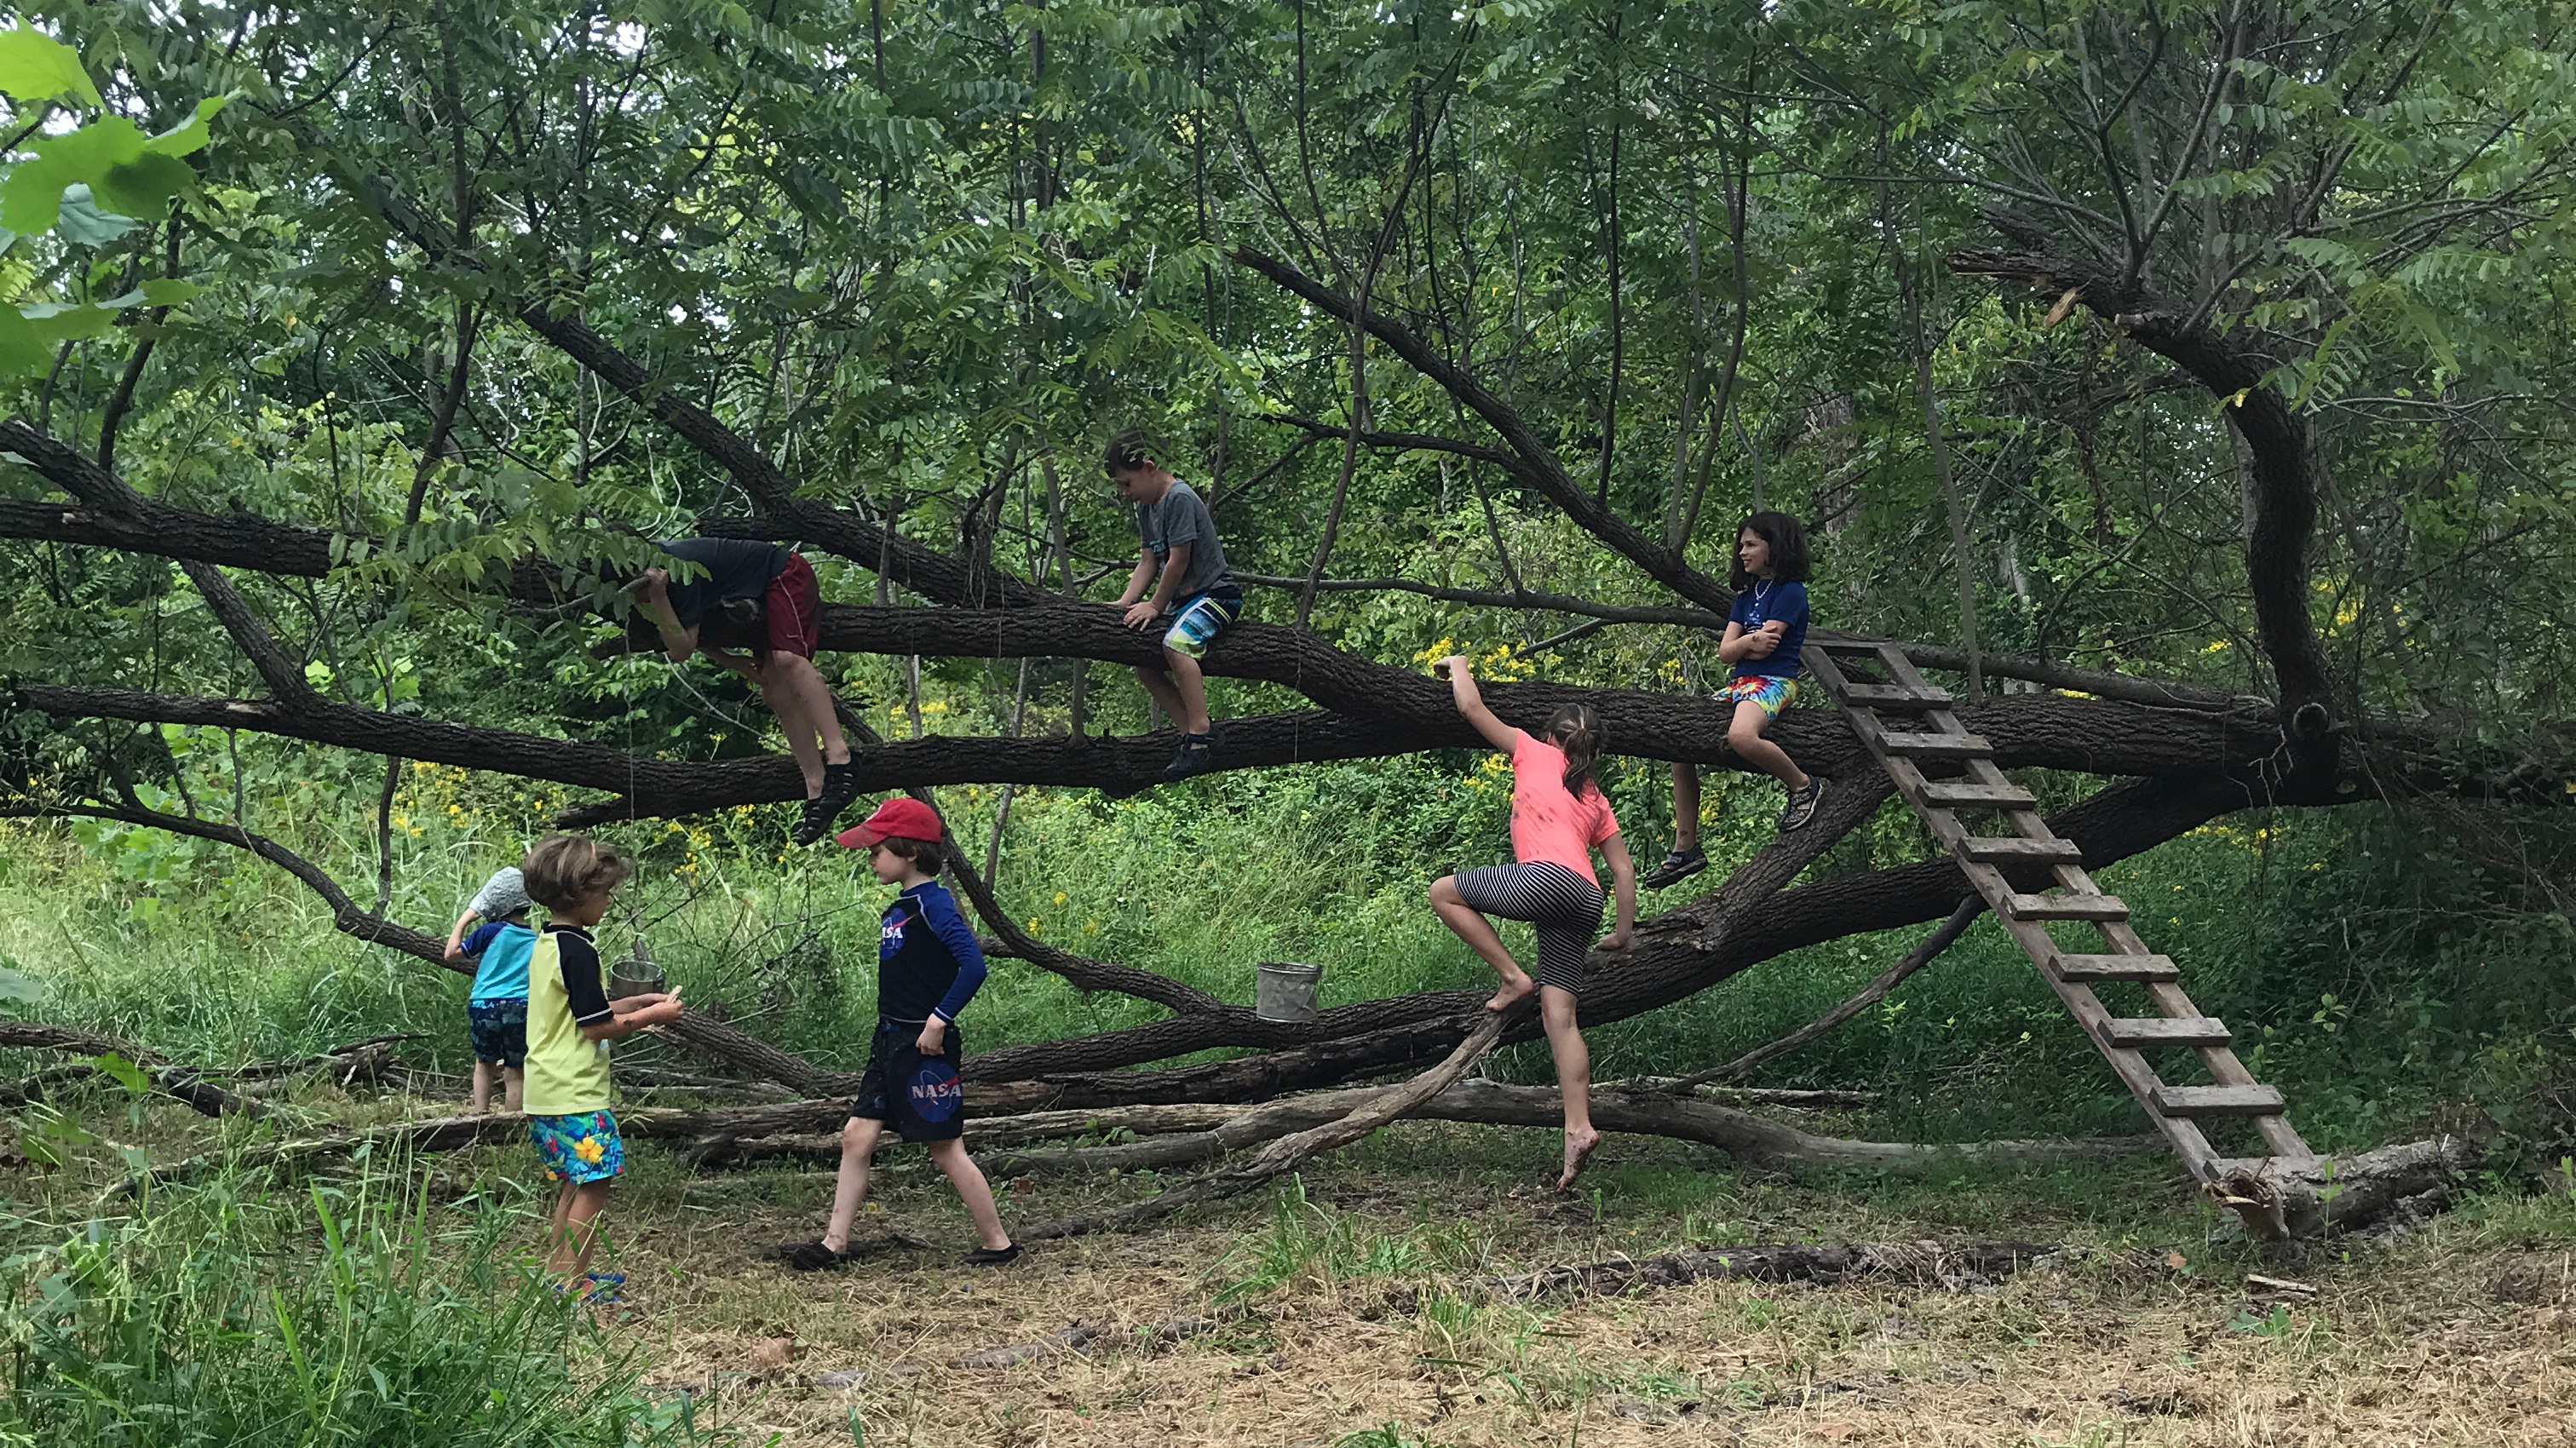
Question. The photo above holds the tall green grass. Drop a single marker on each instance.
(346, 1313)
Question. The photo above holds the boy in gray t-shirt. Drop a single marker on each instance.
(1194, 597)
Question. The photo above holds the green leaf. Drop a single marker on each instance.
(169, 291)
(36, 67)
(81, 221)
(32, 197)
(192, 137)
(17, 985)
(29, 335)
(144, 186)
(127, 1074)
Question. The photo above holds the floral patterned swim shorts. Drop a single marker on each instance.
(582, 1147)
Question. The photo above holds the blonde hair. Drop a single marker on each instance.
(564, 870)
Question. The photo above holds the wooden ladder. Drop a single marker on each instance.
(1924, 730)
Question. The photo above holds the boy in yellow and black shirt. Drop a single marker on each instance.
(570, 1023)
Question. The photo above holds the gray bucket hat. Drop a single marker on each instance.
(506, 893)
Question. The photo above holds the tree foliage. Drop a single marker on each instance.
(1496, 316)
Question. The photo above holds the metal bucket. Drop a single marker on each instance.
(636, 976)
(1286, 991)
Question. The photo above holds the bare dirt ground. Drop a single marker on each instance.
(1346, 1315)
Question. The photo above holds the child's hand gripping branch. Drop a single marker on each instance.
(1559, 816)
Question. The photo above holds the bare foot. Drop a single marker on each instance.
(1511, 993)
(1577, 1149)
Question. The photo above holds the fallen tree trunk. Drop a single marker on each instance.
(2284, 1198)
(1751, 1139)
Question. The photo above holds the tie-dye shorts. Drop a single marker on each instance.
(1772, 691)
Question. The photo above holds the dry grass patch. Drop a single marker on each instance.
(2456, 1336)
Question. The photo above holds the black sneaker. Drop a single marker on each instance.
(815, 823)
(813, 1257)
(1802, 804)
(1678, 865)
(840, 787)
(840, 784)
(1197, 755)
(991, 1256)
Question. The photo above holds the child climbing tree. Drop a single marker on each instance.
(773, 590)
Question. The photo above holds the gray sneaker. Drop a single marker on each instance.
(1802, 804)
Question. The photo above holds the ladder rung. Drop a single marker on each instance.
(1936, 746)
(1863, 647)
(2090, 968)
(2065, 907)
(2218, 1100)
(2139, 1031)
(2014, 850)
(1896, 697)
(1960, 794)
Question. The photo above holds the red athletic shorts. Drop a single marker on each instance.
(794, 608)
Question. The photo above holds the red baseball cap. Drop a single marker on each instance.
(899, 818)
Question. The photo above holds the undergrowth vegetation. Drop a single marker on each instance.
(348, 1311)
(2386, 977)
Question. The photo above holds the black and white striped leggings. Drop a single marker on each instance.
(1564, 906)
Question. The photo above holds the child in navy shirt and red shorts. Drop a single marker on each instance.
(928, 968)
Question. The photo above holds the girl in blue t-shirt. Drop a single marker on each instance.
(1764, 635)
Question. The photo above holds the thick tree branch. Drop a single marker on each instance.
(250, 542)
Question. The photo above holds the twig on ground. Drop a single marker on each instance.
(1283, 1154)
(1922, 1263)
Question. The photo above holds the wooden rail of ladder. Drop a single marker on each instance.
(1927, 732)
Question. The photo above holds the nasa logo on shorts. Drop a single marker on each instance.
(936, 1092)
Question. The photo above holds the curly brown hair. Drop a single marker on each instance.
(564, 870)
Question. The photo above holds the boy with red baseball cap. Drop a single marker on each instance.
(928, 966)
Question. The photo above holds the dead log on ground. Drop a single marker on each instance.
(2280, 1198)
(1283, 1155)
(1922, 1264)
(1753, 1140)
(1791, 1098)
